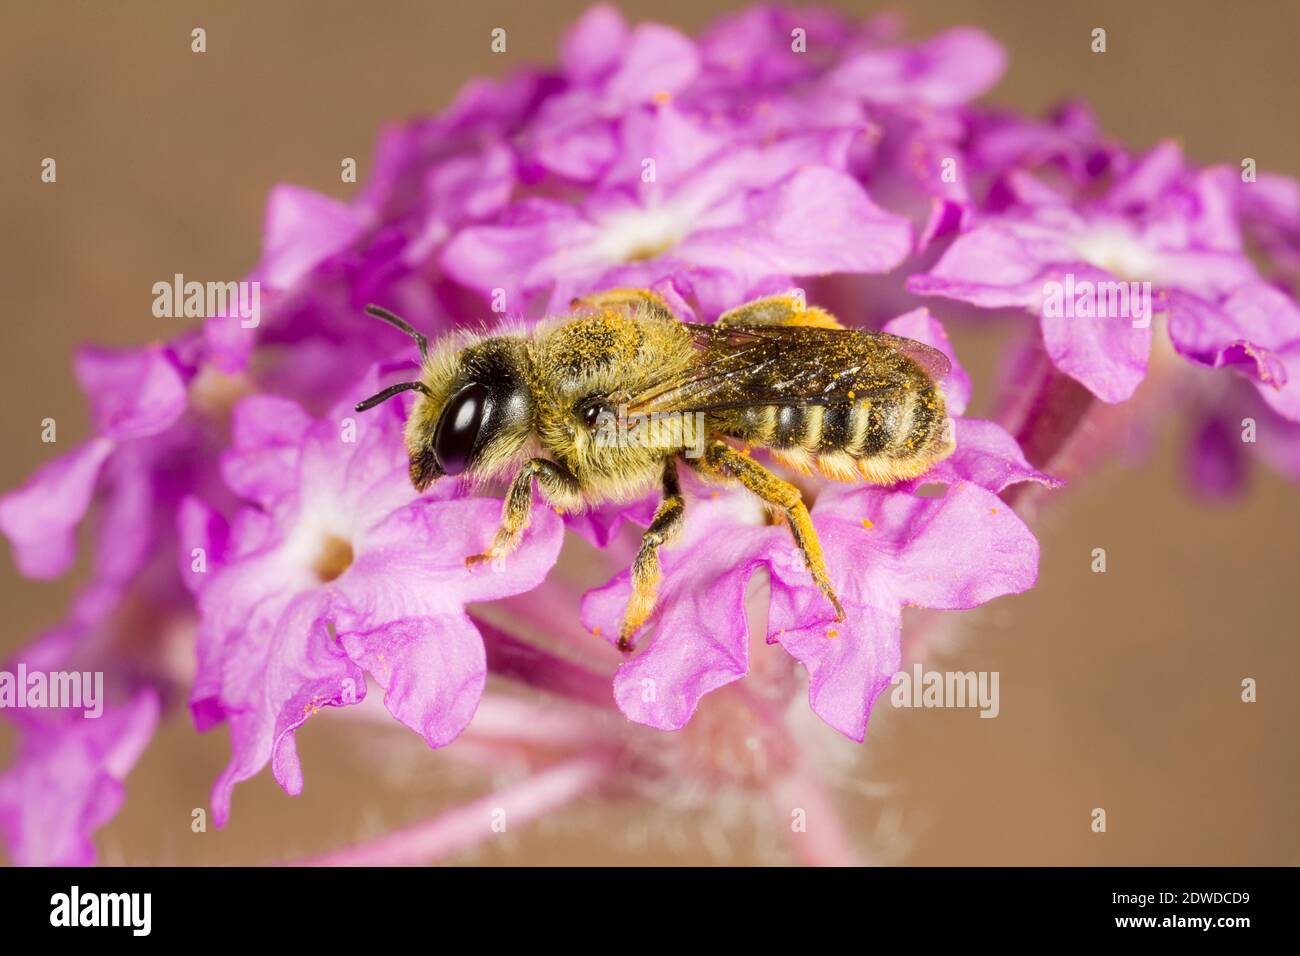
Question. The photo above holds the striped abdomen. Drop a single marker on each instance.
(883, 439)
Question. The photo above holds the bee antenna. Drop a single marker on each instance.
(399, 323)
(389, 392)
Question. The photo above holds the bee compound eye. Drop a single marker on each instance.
(591, 415)
(459, 427)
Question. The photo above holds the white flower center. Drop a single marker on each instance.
(319, 549)
(640, 234)
(1115, 248)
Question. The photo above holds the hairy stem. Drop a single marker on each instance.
(823, 839)
(461, 827)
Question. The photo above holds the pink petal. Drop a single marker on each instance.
(1256, 330)
(848, 663)
(1107, 355)
(1215, 459)
(593, 44)
(398, 574)
(948, 70)
(199, 527)
(262, 462)
(40, 518)
(302, 228)
(696, 641)
(67, 781)
(817, 222)
(433, 671)
(600, 525)
(133, 392)
(655, 59)
(987, 456)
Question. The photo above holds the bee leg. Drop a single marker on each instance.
(645, 569)
(779, 310)
(626, 299)
(557, 486)
(721, 458)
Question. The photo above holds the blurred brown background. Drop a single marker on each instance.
(1118, 690)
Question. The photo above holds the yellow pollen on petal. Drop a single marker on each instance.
(832, 633)
(663, 98)
(867, 523)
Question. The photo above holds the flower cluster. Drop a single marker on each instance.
(260, 547)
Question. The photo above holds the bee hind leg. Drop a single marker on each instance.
(628, 299)
(557, 485)
(646, 572)
(779, 310)
(721, 459)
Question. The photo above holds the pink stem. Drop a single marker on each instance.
(462, 827)
(516, 659)
(501, 719)
(825, 841)
(1047, 421)
(524, 721)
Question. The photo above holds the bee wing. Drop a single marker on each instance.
(932, 361)
(747, 365)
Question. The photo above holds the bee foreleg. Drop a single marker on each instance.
(645, 569)
(721, 458)
(557, 486)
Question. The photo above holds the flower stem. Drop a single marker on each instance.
(1046, 421)
(514, 721)
(518, 660)
(461, 827)
(824, 841)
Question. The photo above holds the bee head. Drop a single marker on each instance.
(474, 412)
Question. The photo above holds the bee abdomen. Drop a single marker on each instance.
(920, 425)
(888, 437)
(883, 439)
(798, 426)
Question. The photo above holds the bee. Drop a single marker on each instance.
(536, 407)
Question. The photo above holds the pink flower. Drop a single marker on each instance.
(1255, 330)
(1158, 224)
(717, 226)
(609, 70)
(340, 569)
(887, 548)
(135, 394)
(67, 780)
